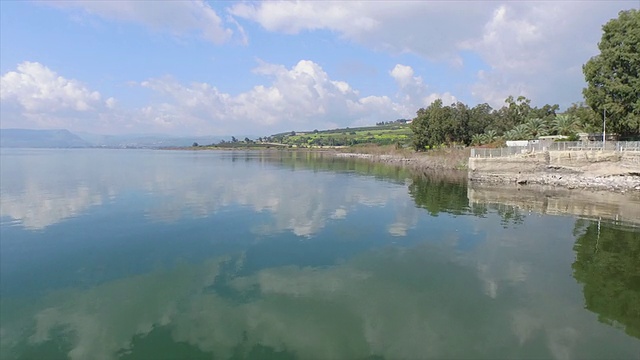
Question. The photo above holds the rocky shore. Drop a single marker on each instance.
(616, 183)
(605, 175)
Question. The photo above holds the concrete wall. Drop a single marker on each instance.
(631, 158)
(512, 164)
(532, 163)
(582, 158)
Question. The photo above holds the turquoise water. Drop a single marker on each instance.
(139, 254)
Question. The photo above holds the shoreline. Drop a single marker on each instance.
(601, 176)
(612, 183)
(608, 175)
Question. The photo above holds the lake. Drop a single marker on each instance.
(142, 254)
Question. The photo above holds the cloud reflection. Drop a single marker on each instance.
(187, 184)
(419, 302)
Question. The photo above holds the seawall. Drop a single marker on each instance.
(594, 169)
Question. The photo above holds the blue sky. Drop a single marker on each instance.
(225, 68)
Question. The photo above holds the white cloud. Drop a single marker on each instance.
(176, 17)
(34, 96)
(297, 98)
(37, 88)
(111, 103)
(413, 92)
(537, 49)
(528, 48)
(404, 76)
(419, 27)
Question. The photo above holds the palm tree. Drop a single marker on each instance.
(477, 139)
(522, 132)
(510, 135)
(489, 136)
(536, 127)
(519, 132)
(565, 125)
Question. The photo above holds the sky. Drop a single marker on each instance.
(232, 67)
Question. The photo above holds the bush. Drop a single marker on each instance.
(572, 137)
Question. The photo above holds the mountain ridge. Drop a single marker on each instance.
(63, 138)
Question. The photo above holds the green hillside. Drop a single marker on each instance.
(395, 133)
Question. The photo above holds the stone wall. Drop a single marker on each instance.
(511, 164)
(582, 158)
(587, 169)
(532, 163)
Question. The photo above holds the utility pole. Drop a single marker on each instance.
(604, 128)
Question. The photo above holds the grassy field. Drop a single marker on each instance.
(396, 134)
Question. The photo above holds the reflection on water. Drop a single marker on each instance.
(608, 264)
(238, 255)
(440, 195)
(616, 207)
(188, 185)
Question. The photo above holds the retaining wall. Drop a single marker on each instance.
(513, 167)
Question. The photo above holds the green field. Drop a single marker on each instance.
(379, 135)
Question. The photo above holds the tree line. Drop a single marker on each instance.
(460, 124)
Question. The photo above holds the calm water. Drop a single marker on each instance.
(128, 254)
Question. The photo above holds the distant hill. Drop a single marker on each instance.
(26, 138)
(40, 139)
(147, 140)
(396, 133)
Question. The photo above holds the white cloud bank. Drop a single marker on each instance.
(37, 88)
(34, 96)
(302, 97)
(529, 48)
(297, 98)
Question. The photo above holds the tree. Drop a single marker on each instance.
(587, 119)
(481, 117)
(456, 129)
(565, 125)
(477, 139)
(195, 144)
(536, 127)
(613, 76)
(520, 132)
(489, 136)
(546, 113)
(516, 134)
(429, 127)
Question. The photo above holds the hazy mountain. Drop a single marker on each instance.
(41, 139)
(66, 139)
(147, 140)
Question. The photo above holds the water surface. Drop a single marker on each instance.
(132, 254)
